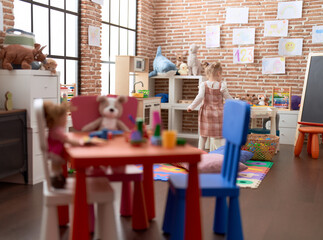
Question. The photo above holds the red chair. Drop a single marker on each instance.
(86, 110)
(312, 142)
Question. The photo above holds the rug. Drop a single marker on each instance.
(250, 178)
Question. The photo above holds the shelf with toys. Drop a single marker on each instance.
(181, 92)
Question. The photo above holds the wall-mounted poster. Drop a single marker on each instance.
(213, 36)
(288, 10)
(273, 65)
(243, 55)
(290, 47)
(98, 1)
(317, 34)
(276, 28)
(1, 17)
(237, 15)
(243, 36)
(94, 36)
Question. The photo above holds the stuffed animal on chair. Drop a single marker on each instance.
(17, 54)
(111, 110)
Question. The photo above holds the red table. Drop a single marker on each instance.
(119, 152)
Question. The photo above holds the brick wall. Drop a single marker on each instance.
(178, 24)
(90, 64)
(8, 18)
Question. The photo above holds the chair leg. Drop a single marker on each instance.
(167, 224)
(315, 146)
(234, 220)
(309, 143)
(139, 216)
(299, 144)
(178, 219)
(105, 225)
(91, 218)
(126, 199)
(49, 229)
(220, 215)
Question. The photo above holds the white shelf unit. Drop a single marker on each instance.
(177, 91)
(287, 126)
(25, 86)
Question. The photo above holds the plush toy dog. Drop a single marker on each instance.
(262, 99)
(50, 65)
(194, 65)
(16, 54)
(111, 110)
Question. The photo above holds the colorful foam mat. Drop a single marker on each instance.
(249, 178)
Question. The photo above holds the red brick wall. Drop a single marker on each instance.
(8, 18)
(177, 24)
(90, 56)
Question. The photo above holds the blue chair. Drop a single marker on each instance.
(227, 218)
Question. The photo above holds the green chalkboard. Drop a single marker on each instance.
(312, 98)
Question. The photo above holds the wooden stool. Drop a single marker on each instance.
(312, 142)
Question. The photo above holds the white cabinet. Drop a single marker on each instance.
(146, 108)
(287, 126)
(25, 86)
(178, 88)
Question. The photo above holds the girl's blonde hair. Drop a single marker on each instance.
(53, 112)
(213, 68)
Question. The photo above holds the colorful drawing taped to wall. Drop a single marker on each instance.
(288, 10)
(290, 47)
(273, 65)
(317, 34)
(276, 28)
(243, 55)
(237, 15)
(213, 36)
(94, 36)
(243, 36)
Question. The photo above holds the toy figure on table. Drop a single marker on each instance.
(211, 94)
(56, 119)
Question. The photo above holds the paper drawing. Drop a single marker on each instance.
(213, 36)
(243, 55)
(98, 1)
(276, 28)
(243, 36)
(237, 15)
(94, 36)
(317, 34)
(1, 17)
(290, 47)
(288, 10)
(273, 65)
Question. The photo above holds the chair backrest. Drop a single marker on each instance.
(87, 110)
(236, 118)
(41, 123)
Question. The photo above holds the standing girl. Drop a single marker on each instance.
(210, 116)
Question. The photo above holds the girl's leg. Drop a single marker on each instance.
(202, 141)
(216, 143)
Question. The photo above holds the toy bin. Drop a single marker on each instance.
(263, 146)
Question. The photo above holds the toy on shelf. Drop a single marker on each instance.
(162, 65)
(263, 100)
(17, 54)
(281, 98)
(67, 92)
(183, 69)
(8, 102)
(50, 65)
(194, 65)
(180, 59)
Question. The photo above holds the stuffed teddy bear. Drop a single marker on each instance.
(183, 70)
(194, 65)
(49, 64)
(162, 66)
(17, 54)
(111, 110)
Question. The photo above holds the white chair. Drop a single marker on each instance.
(99, 192)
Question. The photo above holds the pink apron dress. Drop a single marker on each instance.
(211, 113)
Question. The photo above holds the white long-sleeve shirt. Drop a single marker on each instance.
(211, 84)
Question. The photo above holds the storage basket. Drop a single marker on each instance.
(263, 146)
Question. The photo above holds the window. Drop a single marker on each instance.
(119, 29)
(55, 24)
